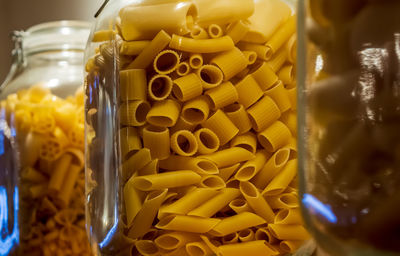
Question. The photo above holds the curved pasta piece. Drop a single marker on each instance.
(256, 201)
(183, 69)
(282, 35)
(187, 223)
(166, 62)
(247, 141)
(165, 180)
(133, 113)
(264, 75)
(157, 140)
(164, 113)
(198, 249)
(145, 217)
(196, 111)
(262, 51)
(185, 44)
(246, 235)
(239, 117)
(133, 47)
(187, 87)
(227, 172)
(196, 60)
(215, 31)
(135, 162)
(288, 216)
(222, 126)
(274, 137)
(274, 164)
(157, 44)
(215, 204)
(199, 165)
(147, 247)
(288, 232)
(249, 92)
(290, 246)
(210, 75)
(160, 87)
(265, 234)
(222, 96)
(286, 74)
(174, 240)
(282, 179)
(279, 95)
(129, 141)
(207, 140)
(230, 62)
(198, 33)
(133, 84)
(184, 143)
(249, 169)
(236, 223)
(263, 113)
(140, 22)
(237, 30)
(230, 156)
(212, 181)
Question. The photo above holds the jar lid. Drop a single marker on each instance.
(57, 35)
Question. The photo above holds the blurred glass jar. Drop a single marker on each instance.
(41, 143)
(349, 117)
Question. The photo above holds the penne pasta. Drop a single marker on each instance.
(212, 181)
(227, 172)
(222, 126)
(187, 87)
(166, 62)
(232, 238)
(160, 87)
(129, 141)
(185, 44)
(246, 235)
(249, 92)
(230, 62)
(282, 179)
(256, 201)
(207, 140)
(274, 137)
(263, 113)
(133, 84)
(290, 246)
(135, 162)
(157, 140)
(240, 205)
(222, 96)
(288, 232)
(288, 216)
(265, 234)
(210, 75)
(239, 117)
(174, 240)
(164, 113)
(133, 202)
(166, 180)
(187, 223)
(283, 201)
(230, 156)
(198, 249)
(260, 247)
(59, 173)
(146, 248)
(249, 169)
(236, 223)
(199, 165)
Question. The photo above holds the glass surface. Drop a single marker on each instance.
(48, 55)
(349, 123)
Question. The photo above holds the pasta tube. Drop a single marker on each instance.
(187, 87)
(184, 143)
(222, 126)
(207, 140)
(246, 235)
(240, 205)
(174, 240)
(230, 62)
(185, 44)
(198, 249)
(249, 91)
(282, 180)
(199, 165)
(187, 223)
(160, 87)
(288, 232)
(263, 113)
(165, 180)
(164, 113)
(247, 141)
(212, 181)
(235, 223)
(259, 247)
(222, 96)
(230, 156)
(249, 169)
(274, 137)
(157, 140)
(133, 84)
(237, 114)
(166, 62)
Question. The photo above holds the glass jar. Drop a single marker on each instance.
(349, 122)
(191, 128)
(42, 143)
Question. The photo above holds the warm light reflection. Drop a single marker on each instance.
(315, 206)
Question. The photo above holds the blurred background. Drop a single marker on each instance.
(22, 14)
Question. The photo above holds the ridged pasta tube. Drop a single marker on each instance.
(222, 95)
(230, 62)
(229, 156)
(184, 143)
(210, 75)
(160, 87)
(133, 113)
(196, 111)
(207, 140)
(264, 75)
(282, 35)
(263, 113)
(222, 126)
(133, 84)
(247, 141)
(166, 62)
(165, 180)
(282, 180)
(195, 60)
(199, 165)
(185, 44)
(238, 115)
(157, 140)
(274, 137)
(187, 87)
(198, 33)
(183, 69)
(237, 30)
(279, 94)
(249, 92)
(286, 74)
(164, 113)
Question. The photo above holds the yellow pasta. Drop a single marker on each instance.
(166, 180)
(282, 35)
(133, 113)
(164, 113)
(133, 47)
(264, 75)
(196, 111)
(67, 187)
(196, 60)
(272, 167)
(236, 223)
(230, 156)
(212, 181)
(251, 57)
(135, 162)
(288, 232)
(279, 95)
(222, 96)
(140, 22)
(215, 204)
(215, 31)
(144, 59)
(210, 75)
(227, 172)
(145, 217)
(166, 62)
(185, 44)
(251, 167)
(239, 117)
(262, 51)
(43, 121)
(290, 246)
(232, 238)
(288, 216)
(230, 62)
(38, 191)
(274, 137)
(199, 165)
(133, 202)
(247, 141)
(184, 143)
(103, 35)
(59, 173)
(182, 124)
(174, 240)
(133, 84)
(249, 91)
(187, 87)
(237, 30)
(278, 59)
(246, 235)
(147, 248)
(256, 201)
(188, 202)
(283, 201)
(207, 140)
(281, 180)
(291, 48)
(187, 223)
(160, 87)
(183, 69)
(157, 140)
(263, 113)
(198, 249)
(129, 141)
(265, 234)
(290, 120)
(150, 168)
(198, 33)
(292, 94)
(222, 126)
(32, 175)
(286, 74)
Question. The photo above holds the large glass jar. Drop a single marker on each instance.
(42, 143)
(349, 118)
(191, 129)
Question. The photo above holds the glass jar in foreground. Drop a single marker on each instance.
(191, 129)
(349, 123)
(42, 143)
